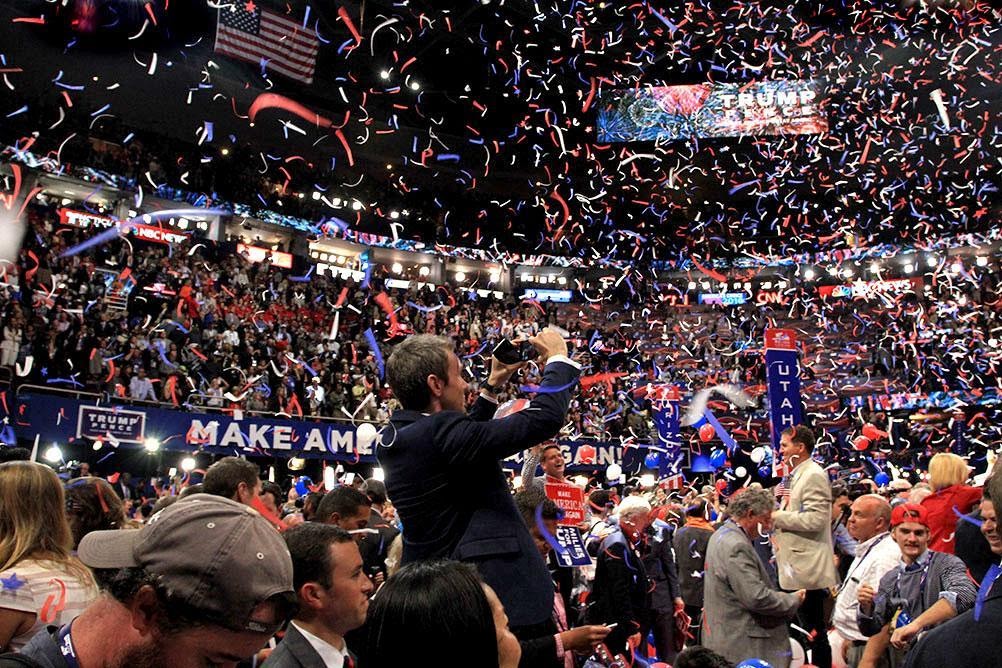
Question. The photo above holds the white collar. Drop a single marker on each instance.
(863, 547)
(329, 654)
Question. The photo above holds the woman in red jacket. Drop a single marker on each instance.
(947, 475)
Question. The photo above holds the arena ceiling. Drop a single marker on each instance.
(479, 117)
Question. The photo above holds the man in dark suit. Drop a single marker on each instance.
(333, 592)
(972, 638)
(375, 546)
(443, 471)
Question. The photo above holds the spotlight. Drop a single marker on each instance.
(809, 274)
(909, 268)
(53, 455)
(377, 474)
(424, 271)
(188, 464)
(931, 261)
(494, 277)
(692, 285)
(316, 195)
(957, 267)
(296, 464)
(384, 75)
(356, 205)
(336, 202)
(647, 481)
(225, 151)
(874, 268)
(151, 444)
(394, 214)
(847, 272)
(415, 85)
(982, 261)
(460, 276)
(397, 268)
(562, 280)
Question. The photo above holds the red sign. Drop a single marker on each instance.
(258, 254)
(84, 219)
(780, 339)
(570, 499)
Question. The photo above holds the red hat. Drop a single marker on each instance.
(909, 512)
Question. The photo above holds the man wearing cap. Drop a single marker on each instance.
(971, 640)
(333, 592)
(206, 582)
(876, 554)
(803, 537)
(925, 589)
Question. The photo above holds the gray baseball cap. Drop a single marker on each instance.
(211, 553)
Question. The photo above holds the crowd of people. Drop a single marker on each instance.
(447, 563)
(206, 328)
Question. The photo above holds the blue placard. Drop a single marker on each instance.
(573, 552)
(111, 423)
(783, 374)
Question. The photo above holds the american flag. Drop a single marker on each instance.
(250, 33)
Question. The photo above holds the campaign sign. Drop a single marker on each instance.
(783, 374)
(666, 420)
(574, 552)
(111, 424)
(570, 499)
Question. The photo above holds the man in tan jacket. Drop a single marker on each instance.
(803, 539)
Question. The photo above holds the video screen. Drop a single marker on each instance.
(667, 113)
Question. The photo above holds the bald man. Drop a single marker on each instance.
(876, 554)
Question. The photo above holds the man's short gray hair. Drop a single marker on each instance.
(751, 502)
(413, 360)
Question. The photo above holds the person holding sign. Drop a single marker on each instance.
(551, 458)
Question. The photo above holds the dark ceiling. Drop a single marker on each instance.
(499, 136)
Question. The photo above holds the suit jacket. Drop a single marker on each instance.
(375, 546)
(690, 553)
(744, 617)
(804, 551)
(962, 641)
(444, 475)
(621, 593)
(295, 651)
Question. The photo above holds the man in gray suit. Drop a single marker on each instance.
(744, 616)
(805, 557)
(333, 592)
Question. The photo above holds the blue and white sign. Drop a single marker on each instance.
(783, 375)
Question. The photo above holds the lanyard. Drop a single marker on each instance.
(862, 559)
(925, 574)
(65, 643)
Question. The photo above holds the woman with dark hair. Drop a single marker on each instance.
(441, 609)
(92, 505)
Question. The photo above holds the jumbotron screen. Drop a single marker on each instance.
(667, 113)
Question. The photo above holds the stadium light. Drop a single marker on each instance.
(188, 464)
(909, 268)
(151, 444)
(397, 268)
(53, 454)
(424, 270)
(982, 261)
(460, 276)
(874, 268)
(809, 274)
(377, 474)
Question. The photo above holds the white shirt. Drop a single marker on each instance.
(331, 655)
(874, 558)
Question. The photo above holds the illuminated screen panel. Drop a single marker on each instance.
(666, 113)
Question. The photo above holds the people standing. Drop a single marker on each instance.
(744, 616)
(803, 540)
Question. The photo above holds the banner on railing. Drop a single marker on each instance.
(62, 420)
